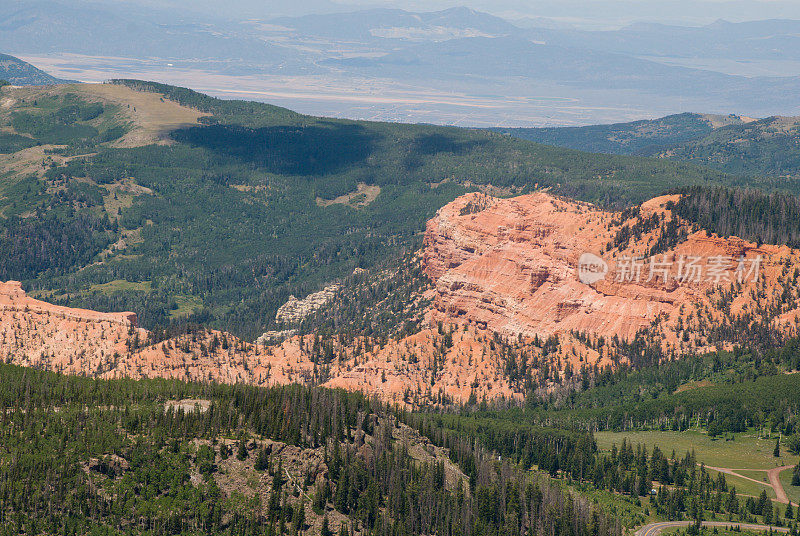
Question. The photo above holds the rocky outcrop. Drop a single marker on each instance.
(272, 337)
(512, 266)
(36, 333)
(416, 369)
(295, 310)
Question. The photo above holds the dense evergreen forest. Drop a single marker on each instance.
(750, 214)
(85, 456)
(745, 388)
(81, 456)
(223, 225)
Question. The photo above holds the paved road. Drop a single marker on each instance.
(654, 529)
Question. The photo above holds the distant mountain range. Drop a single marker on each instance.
(48, 27)
(396, 24)
(757, 40)
(15, 71)
(552, 75)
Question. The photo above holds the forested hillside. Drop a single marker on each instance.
(762, 218)
(222, 221)
(15, 71)
(83, 456)
(721, 391)
(646, 137)
(767, 147)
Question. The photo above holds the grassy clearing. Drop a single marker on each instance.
(362, 197)
(761, 476)
(151, 115)
(184, 306)
(115, 201)
(120, 285)
(631, 512)
(746, 487)
(746, 451)
(793, 492)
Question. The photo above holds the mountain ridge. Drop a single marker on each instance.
(542, 76)
(17, 72)
(235, 178)
(732, 143)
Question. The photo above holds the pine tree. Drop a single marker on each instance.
(325, 530)
(762, 503)
(767, 513)
(299, 521)
(262, 460)
(242, 451)
(777, 451)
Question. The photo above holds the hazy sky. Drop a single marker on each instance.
(584, 13)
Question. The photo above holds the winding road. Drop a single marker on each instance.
(774, 476)
(653, 529)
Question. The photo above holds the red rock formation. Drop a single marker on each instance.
(109, 345)
(13, 298)
(505, 271)
(36, 333)
(512, 266)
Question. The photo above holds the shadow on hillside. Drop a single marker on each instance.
(438, 144)
(320, 149)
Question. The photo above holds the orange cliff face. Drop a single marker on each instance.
(36, 333)
(13, 298)
(417, 369)
(509, 265)
(505, 273)
(512, 266)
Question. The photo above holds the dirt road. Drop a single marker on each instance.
(774, 476)
(653, 529)
(775, 480)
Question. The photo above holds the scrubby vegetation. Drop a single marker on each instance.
(11, 143)
(67, 120)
